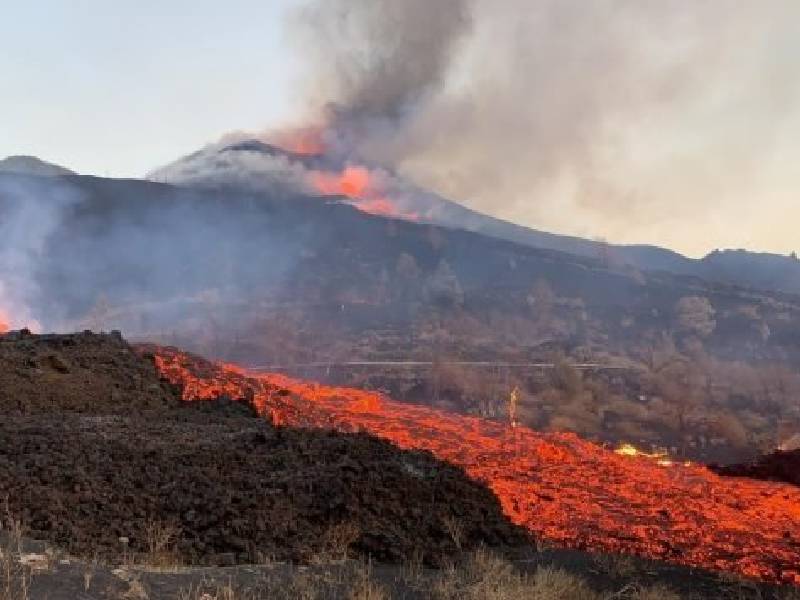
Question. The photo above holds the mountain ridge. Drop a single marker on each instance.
(761, 270)
(32, 165)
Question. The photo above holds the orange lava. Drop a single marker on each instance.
(358, 184)
(560, 487)
(307, 141)
(354, 181)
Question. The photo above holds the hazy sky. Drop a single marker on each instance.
(118, 87)
(673, 122)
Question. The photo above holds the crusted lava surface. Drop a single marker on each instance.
(82, 372)
(776, 466)
(556, 485)
(212, 480)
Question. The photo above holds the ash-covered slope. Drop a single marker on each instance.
(253, 165)
(221, 269)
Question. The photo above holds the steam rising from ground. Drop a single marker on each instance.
(26, 222)
(622, 118)
(102, 254)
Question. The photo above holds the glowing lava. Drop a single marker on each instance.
(559, 487)
(662, 459)
(305, 141)
(358, 184)
(355, 182)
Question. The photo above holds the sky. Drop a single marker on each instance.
(119, 87)
(670, 122)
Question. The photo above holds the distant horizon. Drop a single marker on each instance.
(595, 239)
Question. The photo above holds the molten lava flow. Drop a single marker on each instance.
(662, 459)
(358, 184)
(559, 487)
(355, 182)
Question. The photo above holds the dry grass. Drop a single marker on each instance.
(203, 592)
(454, 529)
(789, 594)
(484, 576)
(160, 543)
(15, 578)
(347, 582)
(412, 572)
(617, 566)
(556, 584)
(364, 587)
(656, 592)
(336, 542)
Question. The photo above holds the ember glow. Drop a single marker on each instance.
(354, 181)
(358, 184)
(561, 488)
(305, 141)
(662, 459)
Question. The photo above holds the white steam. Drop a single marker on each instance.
(27, 219)
(637, 120)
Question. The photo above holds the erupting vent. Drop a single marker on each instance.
(558, 486)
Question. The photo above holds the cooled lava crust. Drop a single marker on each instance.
(99, 455)
(776, 466)
(556, 485)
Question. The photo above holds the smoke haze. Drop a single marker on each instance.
(639, 121)
(27, 220)
(91, 253)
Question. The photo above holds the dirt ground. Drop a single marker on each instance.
(551, 574)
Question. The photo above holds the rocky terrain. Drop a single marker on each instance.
(99, 456)
(114, 487)
(777, 466)
(87, 373)
(563, 489)
(275, 278)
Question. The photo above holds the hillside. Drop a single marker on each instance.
(557, 486)
(703, 369)
(119, 495)
(31, 165)
(255, 166)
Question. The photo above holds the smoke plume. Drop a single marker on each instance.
(379, 61)
(98, 254)
(621, 118)
(27, 219)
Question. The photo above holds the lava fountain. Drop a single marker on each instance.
(365, 187)
(560, 487)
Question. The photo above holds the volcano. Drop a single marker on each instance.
(301, 161)
(561, 488)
